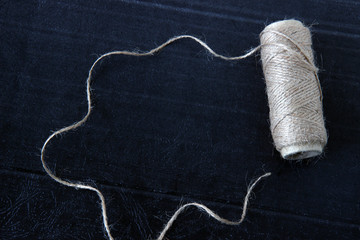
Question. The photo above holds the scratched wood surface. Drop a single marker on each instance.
(176, 127)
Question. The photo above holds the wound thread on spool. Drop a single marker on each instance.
(293, 89)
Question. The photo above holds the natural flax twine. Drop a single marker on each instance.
(295, 102)
(293, 89)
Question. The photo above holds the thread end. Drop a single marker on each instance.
(301, 151)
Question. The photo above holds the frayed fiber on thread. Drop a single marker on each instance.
(285, 45)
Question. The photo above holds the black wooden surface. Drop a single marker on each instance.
(173, 128)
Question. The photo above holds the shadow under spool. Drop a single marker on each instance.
(293, 89)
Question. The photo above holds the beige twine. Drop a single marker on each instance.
(285, 45)
(79, 185)
(293, 88)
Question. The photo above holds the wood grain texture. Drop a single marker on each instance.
(176, 127)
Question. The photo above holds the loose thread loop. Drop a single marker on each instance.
(75, 125)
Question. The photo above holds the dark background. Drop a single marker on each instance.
(177, 127)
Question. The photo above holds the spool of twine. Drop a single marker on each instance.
(293, 89)
(294, 95)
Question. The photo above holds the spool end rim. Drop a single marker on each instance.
(285, 23)
(301, 151)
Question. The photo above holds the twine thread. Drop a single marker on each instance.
(294, 95)
(79, 185)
